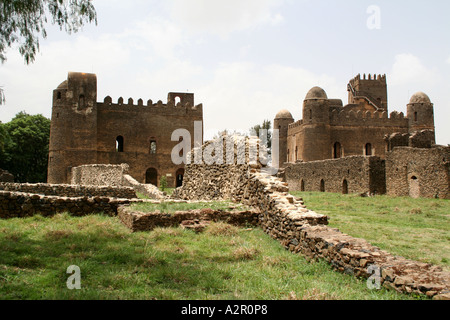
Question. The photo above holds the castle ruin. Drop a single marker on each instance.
(325, 150)
(84, 131)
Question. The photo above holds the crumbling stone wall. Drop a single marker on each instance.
(300, 230)
(99, 175)
(139, 221)
(356, 174)
(5, 176)
(20, 204)
(419, 172)
(70, 190)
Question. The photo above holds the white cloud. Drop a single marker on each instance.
(244, 94)
(223, 17)
(408, 69)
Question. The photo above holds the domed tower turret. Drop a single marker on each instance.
(73, 130)
(316, 123)
(420, 113)
(281, 122)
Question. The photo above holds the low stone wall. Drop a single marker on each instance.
(359, 258)
(355, 174)
(19, 205)
(99, 174)
(300, 230)
(148, 190)
(70, 190)
(139, 221)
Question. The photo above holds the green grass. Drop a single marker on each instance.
(172, 207)
(224, 262)
(418, 229)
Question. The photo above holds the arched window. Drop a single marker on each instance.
(345, 187)
(415, 116)
(322, 186)
(119, 144)
(58, 95)
(368, 149)
(337, 150)
(296, 153)
(177, 100)
(302, 185)
(151, 176)
(310, 114)
(152, 146)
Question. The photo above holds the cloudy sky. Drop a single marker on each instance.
(244, 59)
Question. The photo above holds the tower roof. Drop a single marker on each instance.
(316, 93)
(420, 97)
(284, 114)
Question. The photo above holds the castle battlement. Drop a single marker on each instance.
(149, 106)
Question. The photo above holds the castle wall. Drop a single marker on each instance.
(139, 125)
(418, 172)
(356, 174)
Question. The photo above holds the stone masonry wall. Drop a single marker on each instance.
(99, 175)
(419, 172)
(70, 190)
(20, 204)
(356, 174)
(300, 230)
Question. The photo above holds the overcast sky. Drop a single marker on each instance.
(244, 59)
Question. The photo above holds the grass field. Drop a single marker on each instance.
(417, 229)
(223, 263)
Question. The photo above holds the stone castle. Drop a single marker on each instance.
(355, 148)
(84, 131)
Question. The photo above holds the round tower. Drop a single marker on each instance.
(420, 113)
(73, 130)
(281, 122)
(316, 124)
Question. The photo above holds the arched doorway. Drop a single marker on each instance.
(119, 144)
(337, 150)
(322, 186)
(179, 177)
(302, 185)
(151, 176)
(345, 187)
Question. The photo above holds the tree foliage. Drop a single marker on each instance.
(25, 141)
(266, 125)
(24, 21)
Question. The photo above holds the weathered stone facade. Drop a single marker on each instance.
(84, 131)
(330, 130)
(355, 174)
(419, 172)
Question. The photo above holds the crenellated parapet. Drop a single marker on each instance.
(367, 118)
(150, 106)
